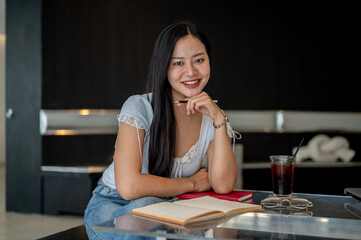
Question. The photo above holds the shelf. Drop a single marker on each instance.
(74, 169)
(104, 121)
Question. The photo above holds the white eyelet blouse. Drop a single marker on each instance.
(137, 112)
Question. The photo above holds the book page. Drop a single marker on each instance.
(218, 204)
(174, 212)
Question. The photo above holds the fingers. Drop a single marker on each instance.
(201, 181)
(201, 103)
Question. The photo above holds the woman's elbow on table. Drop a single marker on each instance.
(223, 188)
(223, 185)
(126, 189)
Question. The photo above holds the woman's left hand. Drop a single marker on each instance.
(204, 104)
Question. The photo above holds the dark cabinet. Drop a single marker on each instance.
(67, 192)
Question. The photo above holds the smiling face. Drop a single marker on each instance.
(189, 68)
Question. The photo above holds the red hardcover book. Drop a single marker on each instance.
(238, 196)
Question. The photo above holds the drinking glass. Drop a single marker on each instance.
(282, 167)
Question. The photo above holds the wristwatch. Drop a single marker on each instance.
(221, 124)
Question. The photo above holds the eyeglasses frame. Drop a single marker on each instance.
(280, 202)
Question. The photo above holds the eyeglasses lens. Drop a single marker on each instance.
(301, 203)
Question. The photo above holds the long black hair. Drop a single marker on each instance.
(163, 129)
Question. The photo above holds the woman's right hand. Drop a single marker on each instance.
(201, 181)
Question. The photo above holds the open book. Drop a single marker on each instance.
(194, 210)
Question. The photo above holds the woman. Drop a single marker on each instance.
(161, 143)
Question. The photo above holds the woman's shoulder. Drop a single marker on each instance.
(139, 108)
(137, 102)
(139, 99)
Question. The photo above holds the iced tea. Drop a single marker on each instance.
(282, 168)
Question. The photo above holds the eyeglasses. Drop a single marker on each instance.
(298, 203)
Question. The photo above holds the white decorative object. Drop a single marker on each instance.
(322, 148)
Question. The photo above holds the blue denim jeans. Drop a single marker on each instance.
(107, 204)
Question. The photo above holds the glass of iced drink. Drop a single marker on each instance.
(282, 167)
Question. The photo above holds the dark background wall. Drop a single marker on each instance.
(296, 55)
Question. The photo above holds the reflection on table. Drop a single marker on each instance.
(331, 217)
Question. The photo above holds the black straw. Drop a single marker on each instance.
(294, 155)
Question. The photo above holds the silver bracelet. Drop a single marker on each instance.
(221, 124)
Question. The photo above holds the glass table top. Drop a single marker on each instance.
(336, 217)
